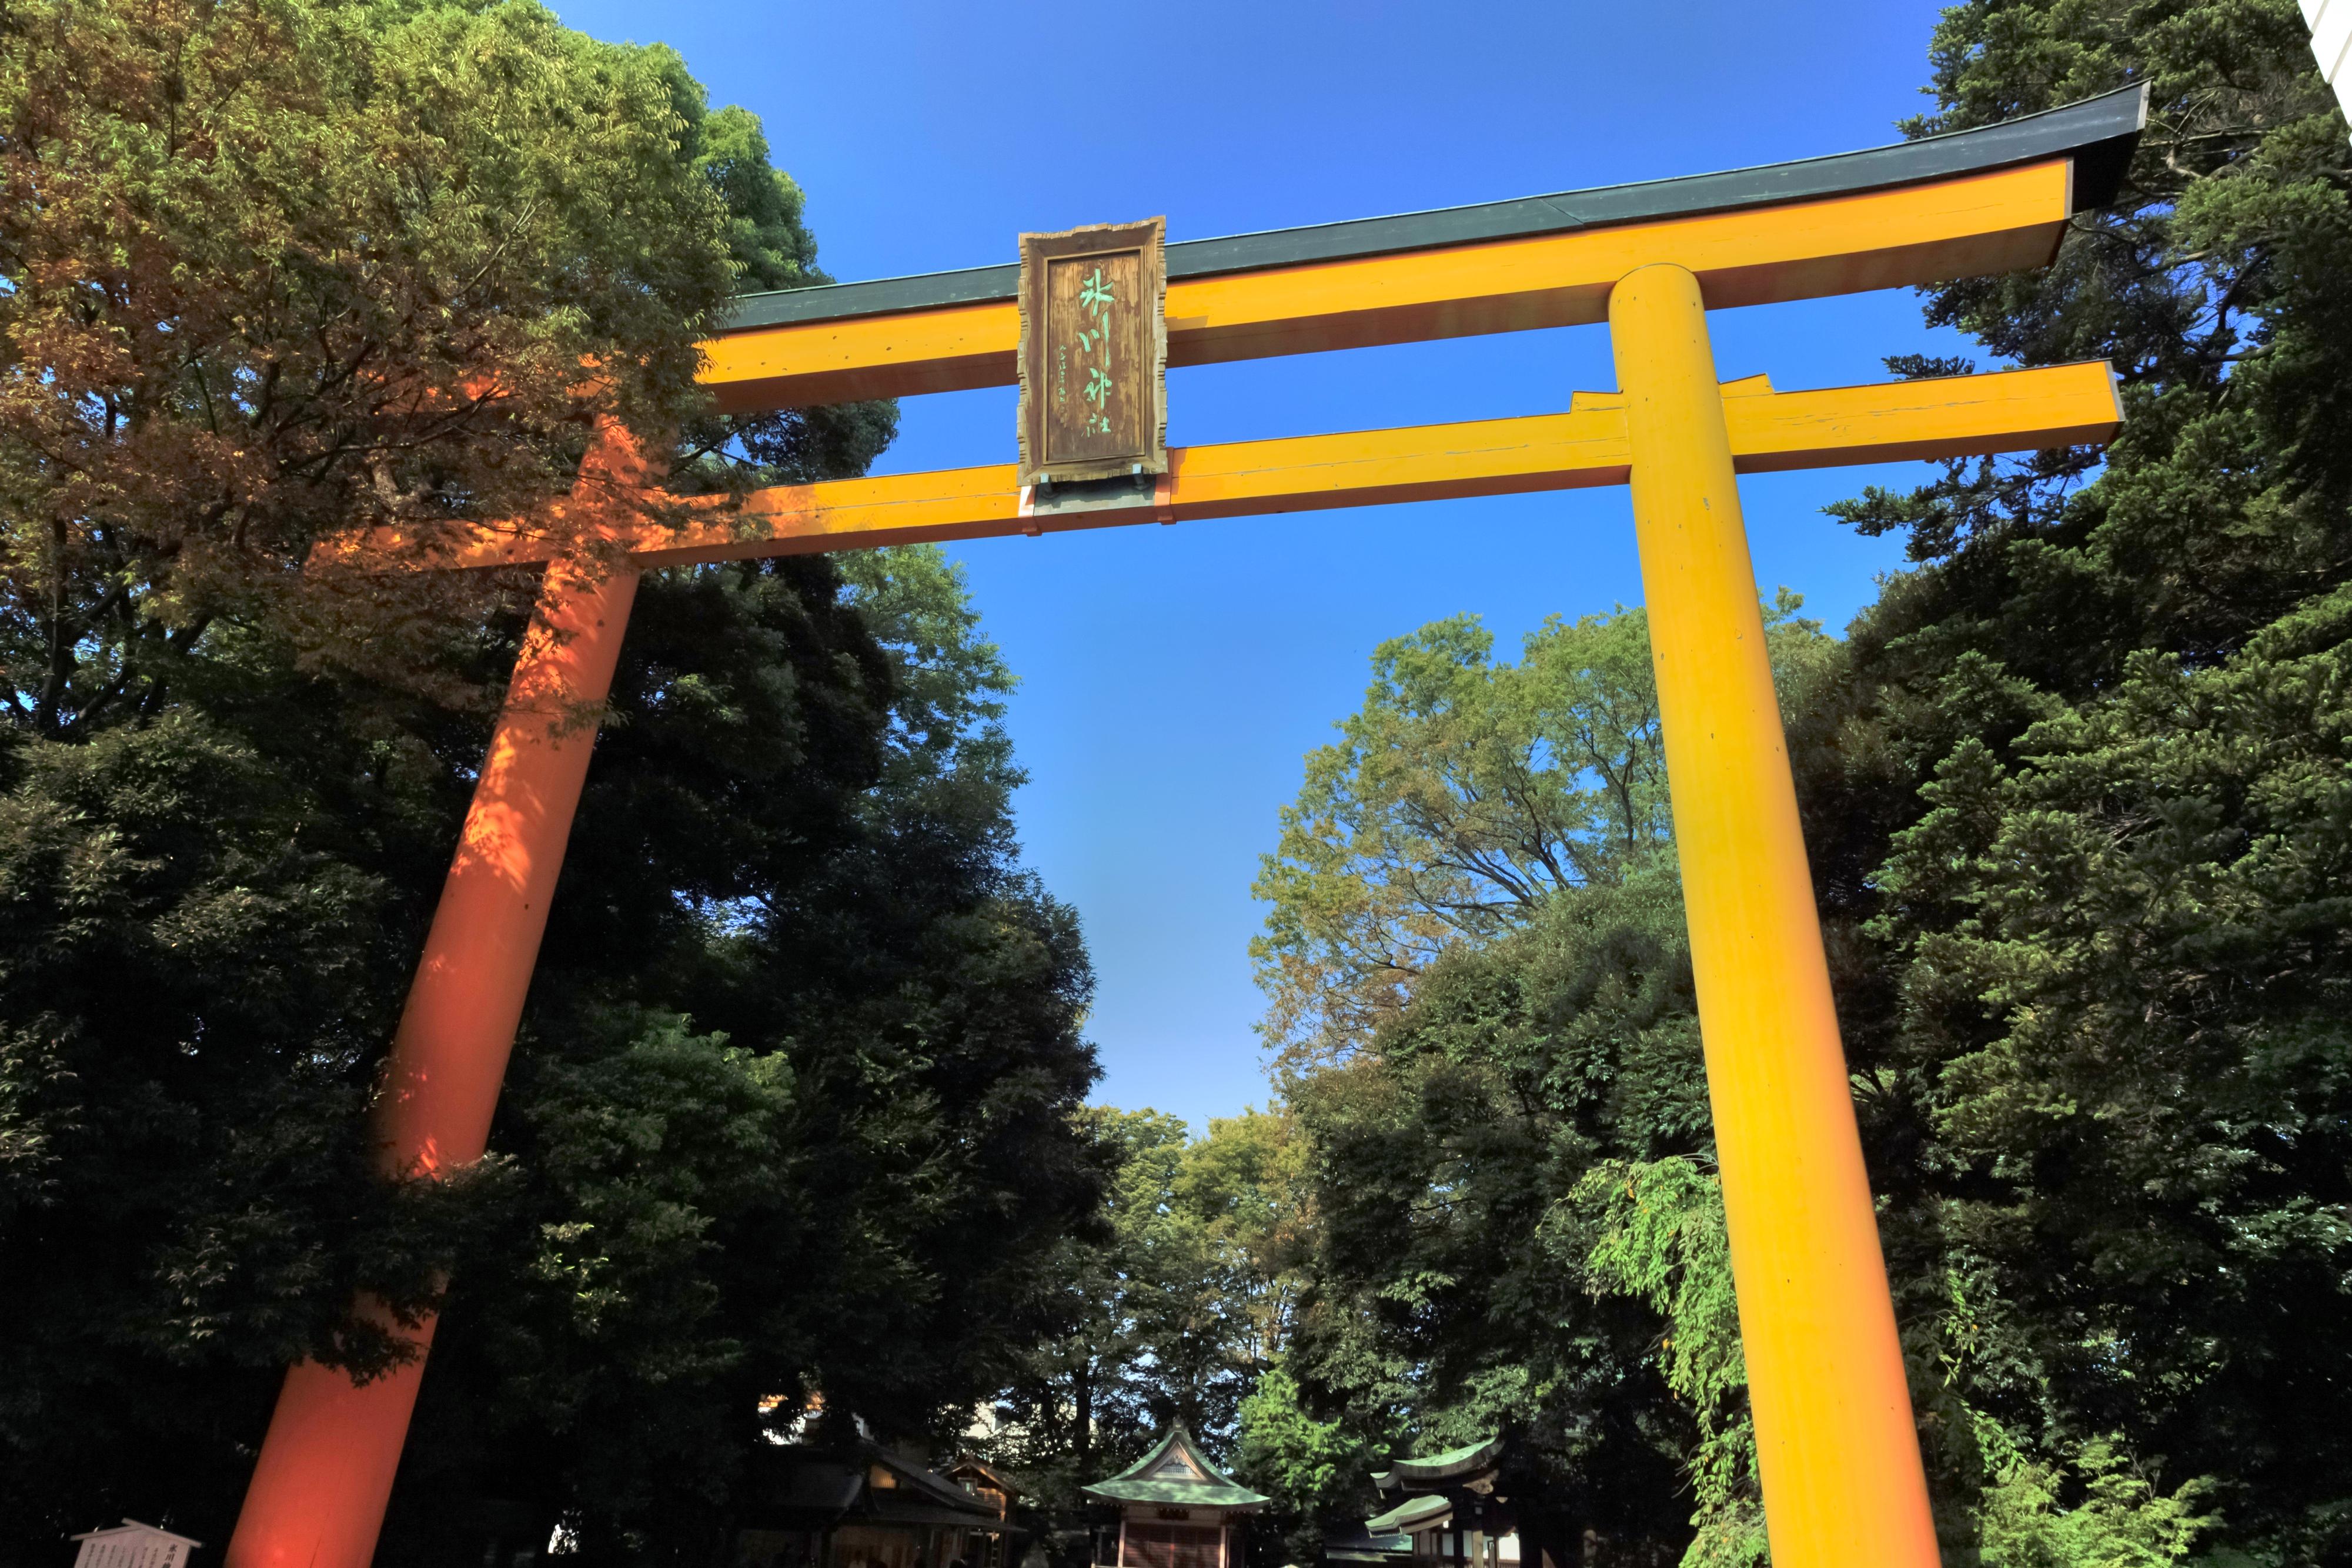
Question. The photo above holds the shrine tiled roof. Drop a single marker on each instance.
(1435, 1469)
(1175, 1474)
(1408, 1513)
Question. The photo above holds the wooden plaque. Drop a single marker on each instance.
(1094, 352)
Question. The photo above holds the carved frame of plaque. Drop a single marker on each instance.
(1094, 352)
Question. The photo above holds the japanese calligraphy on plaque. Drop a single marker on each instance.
(1094, 352)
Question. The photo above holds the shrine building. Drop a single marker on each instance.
(1472, 1507)
(993, 1548)
(858, 1504)
(1446, 1506)
(1175, 1510)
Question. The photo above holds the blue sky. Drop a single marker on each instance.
(1174, 678)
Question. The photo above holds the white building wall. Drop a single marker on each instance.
(2331, 40)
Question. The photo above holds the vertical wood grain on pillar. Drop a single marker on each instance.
(325, 1471)
(1843, 1486)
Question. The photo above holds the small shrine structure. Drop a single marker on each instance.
(990, 1549)
(1176, 1509)
(1447, 1510)
(856, 1504)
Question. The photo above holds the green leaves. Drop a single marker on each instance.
(281, 271)
(1447, 1294)
(2074, 805)
(1460, 794)
(2118, 1518)
(1656, 1233)
(1461, 797)
(1179, 1302)
(791, 1105)
(2076, 795)
(1312, 1469)
(1477, 949)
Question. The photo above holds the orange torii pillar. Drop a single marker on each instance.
(1840, 1456)
(325, 1471)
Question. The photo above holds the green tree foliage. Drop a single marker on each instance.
(1447, 1296)
(1314, 1470)
(1244, 1186)
(1181, 1300)
(1139, 1295)
(845, 1172)
(2104, 1515)
(771, 248)
(2076, 804)
(1459, 797)
(816, 870)
(793, 1105)
(2075, 792)
(1310, 1466)
(1656, 1234)
(278, 269)
(1518, 1227)
(1449, 1291)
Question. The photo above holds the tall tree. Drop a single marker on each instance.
(1179, 1301)
(2076, 791)
(1446, 1298)
(792, 1109)
(2076, 805)
(282, 270)
(1459, 796)
(1447, 1294)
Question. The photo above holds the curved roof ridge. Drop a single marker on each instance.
(1204, 1487)
(1411, 1511)
(2097, 132)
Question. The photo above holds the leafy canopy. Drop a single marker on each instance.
(792, 1107)
(1179, 1302)
(1459, 797)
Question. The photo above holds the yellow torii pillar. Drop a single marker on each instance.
(1839, 1457)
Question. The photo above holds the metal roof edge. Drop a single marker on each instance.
(1167, 1440)
(1445, 1465)
(2098, 132)
(1412, 1510)
(1219, 1495)
(133, 1524)
(941, 1491)
(996, 1477)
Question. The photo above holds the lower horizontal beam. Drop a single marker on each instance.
(2009, 411)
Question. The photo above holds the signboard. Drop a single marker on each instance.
(132, 1544)
(1094, 352)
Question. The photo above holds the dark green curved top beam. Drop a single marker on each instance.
(2098, 134)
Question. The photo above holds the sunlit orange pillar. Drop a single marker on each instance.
(1843, 1487)
(325, 1471)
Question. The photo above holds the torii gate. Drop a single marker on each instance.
(1843, 1486)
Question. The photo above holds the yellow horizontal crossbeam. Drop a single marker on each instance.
(2008, 411)
(1966, 228)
